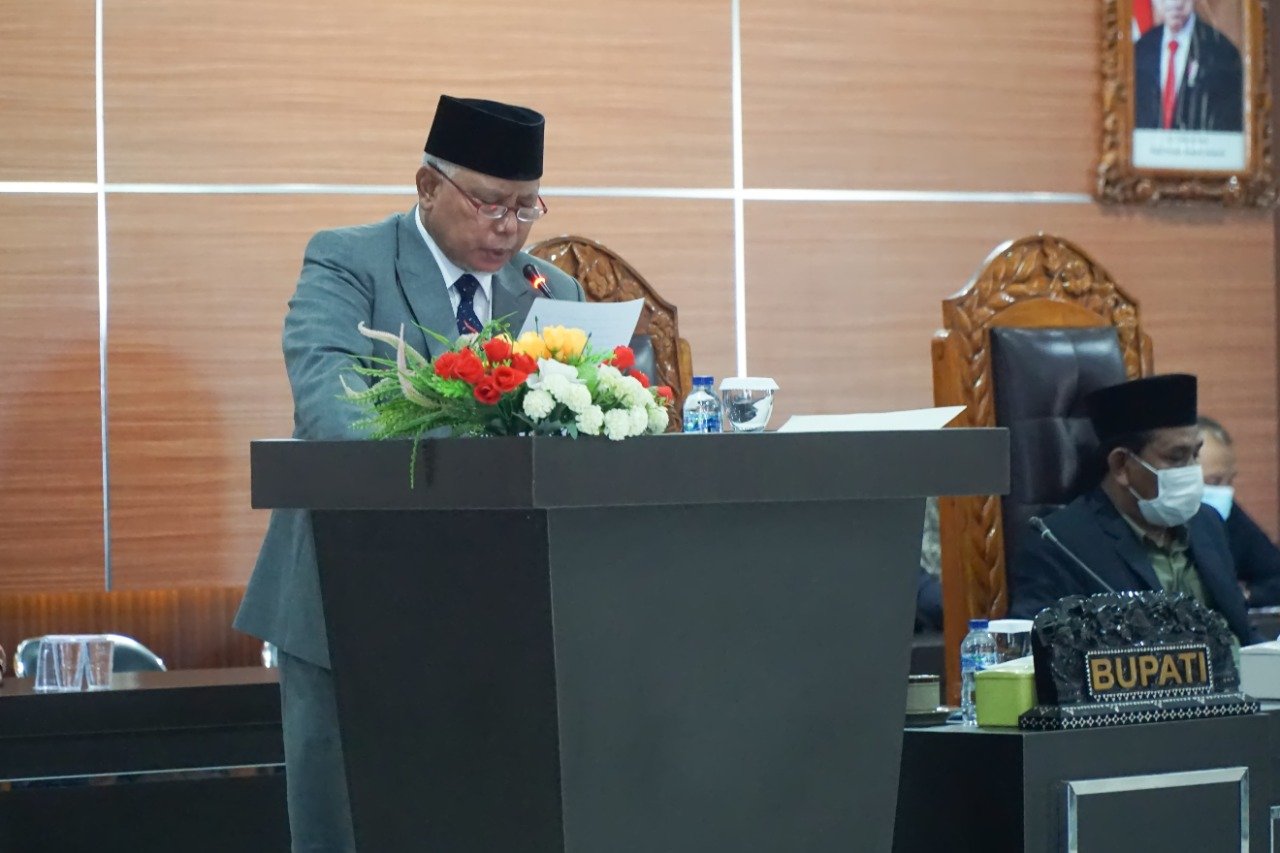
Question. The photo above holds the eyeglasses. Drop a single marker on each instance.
(496, 212)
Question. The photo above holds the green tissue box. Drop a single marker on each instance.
(1004, 691)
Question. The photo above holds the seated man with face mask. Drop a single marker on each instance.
(1144, 526)
(1256, 557)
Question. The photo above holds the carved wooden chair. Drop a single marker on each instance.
(1045, 297)
(606, 277)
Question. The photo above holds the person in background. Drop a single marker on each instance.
(1187, 75)
(1144, 527)
(1256, 557)
(929, 579)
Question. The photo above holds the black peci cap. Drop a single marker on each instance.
(495, 139)
(1153, 402)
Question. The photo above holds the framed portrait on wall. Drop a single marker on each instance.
(1186, 102)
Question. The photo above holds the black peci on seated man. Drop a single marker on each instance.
(1144, 526)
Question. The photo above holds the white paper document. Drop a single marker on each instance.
(607, 324)
(874, 421)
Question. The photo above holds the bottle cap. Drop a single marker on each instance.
(977, 623)
(1009, 626)
(704, 380)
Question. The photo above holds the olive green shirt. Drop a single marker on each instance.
(1175, 569)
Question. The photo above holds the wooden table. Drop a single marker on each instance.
(189, 760)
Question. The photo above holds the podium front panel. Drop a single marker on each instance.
(440, 639)
(732, 677)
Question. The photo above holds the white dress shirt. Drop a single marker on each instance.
(482, 301)
(1180, 57)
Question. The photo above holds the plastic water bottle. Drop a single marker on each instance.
(977, 652)
(701, 408)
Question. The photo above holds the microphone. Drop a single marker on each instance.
(537, 280)
(1046, 533)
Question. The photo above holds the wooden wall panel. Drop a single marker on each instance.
(341, 92)
(683, 248)
(945, 95)
(199, 287)
(188, 628)
(851, 330)
(47, 91)
(50, 409)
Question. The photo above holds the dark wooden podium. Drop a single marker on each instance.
(667, 644)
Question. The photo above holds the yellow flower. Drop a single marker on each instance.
(532, 345)
(564, 343)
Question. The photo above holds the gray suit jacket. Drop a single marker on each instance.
(384, 275)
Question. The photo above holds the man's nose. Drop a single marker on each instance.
(506, 224)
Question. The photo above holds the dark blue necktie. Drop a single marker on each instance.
(468, 322)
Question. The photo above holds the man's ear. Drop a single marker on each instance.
(428, 183)
(1115, 464)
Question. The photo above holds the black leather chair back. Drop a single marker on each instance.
(646, 361)
(1040, 377)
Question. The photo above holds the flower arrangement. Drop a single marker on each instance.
(545, 383)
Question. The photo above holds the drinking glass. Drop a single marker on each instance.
(99, 661)
(747, 402)
(59, 664)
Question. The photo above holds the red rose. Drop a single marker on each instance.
(468, 367)
(623, 358)
(640, 377)
(486, 391)
(507, 378)
(526, 364)
(496, 350)
(665, 392)
(446, 366)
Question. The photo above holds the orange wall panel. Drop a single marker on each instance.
(959, 95)
(199, 287)
(47, 91)
(327, 91)
(50, 409)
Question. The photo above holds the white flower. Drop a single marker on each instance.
(555, 385)
(549, 369)
(576, 398)
(657, 420)
(617, 423)
(633, 393)
(590, 421)
(609, 388)
(639, 419)
(538, 404)
(608, 371)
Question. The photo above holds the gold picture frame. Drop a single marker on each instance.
(1175, 134)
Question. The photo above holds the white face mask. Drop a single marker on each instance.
(1178, 494)
(1220, 498)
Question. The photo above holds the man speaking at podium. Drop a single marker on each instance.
(451, 264)
(1143, 527)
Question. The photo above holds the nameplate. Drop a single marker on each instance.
(1153, 672)
(1132, 657)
